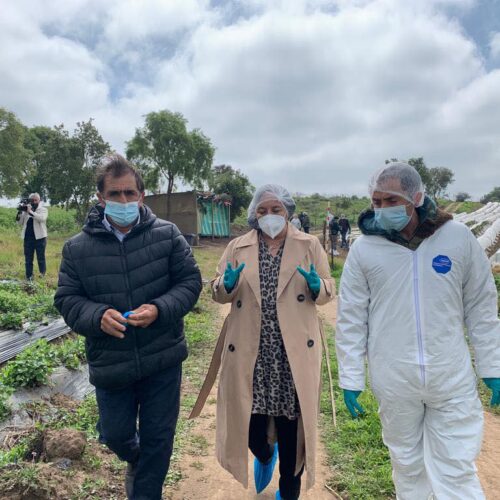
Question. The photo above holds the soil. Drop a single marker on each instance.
(97, 475)
(488, 462)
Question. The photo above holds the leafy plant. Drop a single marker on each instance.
(5, 408)
(25, 302)
(71, 353)
(30, 368)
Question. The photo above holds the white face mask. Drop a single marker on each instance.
(272, 224)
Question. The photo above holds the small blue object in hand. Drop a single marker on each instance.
(312, 278)
(127, 314)
(231, 276)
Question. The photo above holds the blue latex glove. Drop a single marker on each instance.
(312, 278)
(351, 401)
(494, 385)
(231, 276)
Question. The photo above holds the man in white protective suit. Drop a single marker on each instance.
(410, 285)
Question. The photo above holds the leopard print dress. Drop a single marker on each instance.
(274, 391)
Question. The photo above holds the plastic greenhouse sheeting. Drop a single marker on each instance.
(12, 342)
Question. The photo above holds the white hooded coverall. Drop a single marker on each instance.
(405, 310)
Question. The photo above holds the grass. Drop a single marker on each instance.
(468, 207)
(337, 271)
(356, 454)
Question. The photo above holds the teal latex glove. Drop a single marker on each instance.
(351, 401)
(312, 278)
(231, 276)
(494, 385)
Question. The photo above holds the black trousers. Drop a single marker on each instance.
(155, 400)
(344, 240)
(287, 448)
(30, 247)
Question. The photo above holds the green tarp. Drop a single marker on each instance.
(216, 223)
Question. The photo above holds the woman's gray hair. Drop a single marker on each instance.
(278, 192)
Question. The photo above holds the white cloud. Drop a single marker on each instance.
(495, 45)
(313, 94)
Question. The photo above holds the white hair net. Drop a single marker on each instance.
(269, 192)
(400, 179)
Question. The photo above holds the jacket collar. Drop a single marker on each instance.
(430, 217)
(296, 246)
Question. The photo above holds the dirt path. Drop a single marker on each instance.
(489, 460)
(203, 477)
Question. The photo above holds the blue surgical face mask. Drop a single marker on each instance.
(123, 214)
(392, 218)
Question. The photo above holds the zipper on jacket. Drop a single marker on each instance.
(129, 299)
(416, 298)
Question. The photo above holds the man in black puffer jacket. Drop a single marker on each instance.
(128, 260)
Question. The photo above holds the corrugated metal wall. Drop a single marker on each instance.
(183, 210)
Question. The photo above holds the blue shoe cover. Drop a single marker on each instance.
(263, 473)
(278, 496)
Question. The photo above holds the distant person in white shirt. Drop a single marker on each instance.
(32, 216)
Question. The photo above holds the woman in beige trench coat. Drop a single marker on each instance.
(270, 347)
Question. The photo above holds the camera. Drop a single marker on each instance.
(23, 205)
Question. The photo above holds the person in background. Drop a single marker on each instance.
(410, 284)
(270, 347)
(295, 221)
(306, 222)
(345, 229)
(334, 229)
(33, 219)
(125, 283)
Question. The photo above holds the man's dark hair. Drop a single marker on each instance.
(117, 166)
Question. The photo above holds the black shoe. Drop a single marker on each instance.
(129, 479)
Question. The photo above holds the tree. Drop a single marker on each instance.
(35, 141)
(440, 179)
(462, 196)
(225, 180)
(14, 158)
(67, 167)
(164, 150)
(493, 195)
(421, 168)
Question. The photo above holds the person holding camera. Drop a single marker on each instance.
(32, 217)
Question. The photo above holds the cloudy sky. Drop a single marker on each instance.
(313, 94)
